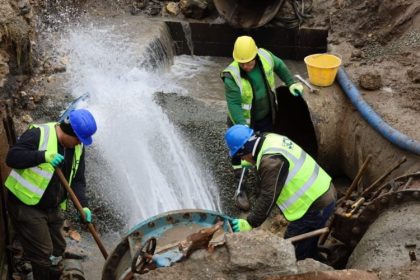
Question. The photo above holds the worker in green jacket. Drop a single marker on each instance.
(250, 91)
(288, 178)
(35, 194)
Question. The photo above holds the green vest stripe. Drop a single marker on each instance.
(25, 183)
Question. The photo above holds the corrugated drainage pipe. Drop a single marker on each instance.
(391, 134)
(248, 13)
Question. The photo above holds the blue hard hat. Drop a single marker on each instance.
(83, 124)
(236, 137)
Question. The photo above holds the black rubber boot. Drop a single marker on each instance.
(40, 272)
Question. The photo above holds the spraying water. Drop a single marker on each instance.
(143, 161)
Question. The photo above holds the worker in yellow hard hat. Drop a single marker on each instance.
(250, 90)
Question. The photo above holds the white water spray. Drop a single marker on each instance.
(153, 167)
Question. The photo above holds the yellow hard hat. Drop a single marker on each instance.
(244, 49)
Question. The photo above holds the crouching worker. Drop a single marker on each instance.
(35, 193)
(290, 178)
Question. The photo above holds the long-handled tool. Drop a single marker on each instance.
(240, 197)
(79, 207)
(311, 88)
(238, 190)
(308, 235)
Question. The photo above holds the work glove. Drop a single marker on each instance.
(296, 89)
(88, 214)
(239, 225)
(53, 158)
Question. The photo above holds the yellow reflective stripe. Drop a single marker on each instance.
(246, 106)
(267, 56)
(26, 184)
(47, 175)
(44, 144)
(299, 193)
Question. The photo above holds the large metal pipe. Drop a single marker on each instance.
(248, 13)
(390, 240)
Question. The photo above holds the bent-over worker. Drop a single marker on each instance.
(289, 178)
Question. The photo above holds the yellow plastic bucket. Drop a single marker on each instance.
(322, 68)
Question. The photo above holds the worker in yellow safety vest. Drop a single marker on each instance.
(250, 91)
(289, 178)
(34, 191)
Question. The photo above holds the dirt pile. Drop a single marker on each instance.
(382, 39)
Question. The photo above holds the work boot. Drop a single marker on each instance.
(242, 202)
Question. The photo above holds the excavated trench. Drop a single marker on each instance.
(325, 124)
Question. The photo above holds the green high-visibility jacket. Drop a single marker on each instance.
(29, 184)
(306, 180)
(245, 86)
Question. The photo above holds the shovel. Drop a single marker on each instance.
(240, 197)
(79, 207)
(238, 190)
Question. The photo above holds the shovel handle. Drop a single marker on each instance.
(308, 235)
(79, 207)
(238, 190)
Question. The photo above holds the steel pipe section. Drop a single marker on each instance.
(248, 13)
(399, 139)
(390, 241)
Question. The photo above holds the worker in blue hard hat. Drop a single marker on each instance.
(35, 193)
(289, 178)
(250, 91)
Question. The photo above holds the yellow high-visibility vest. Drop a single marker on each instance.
(245, 86)
(306, 180)
(29, 184)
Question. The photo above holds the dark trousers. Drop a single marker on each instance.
(39, 232)
(312, 220)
